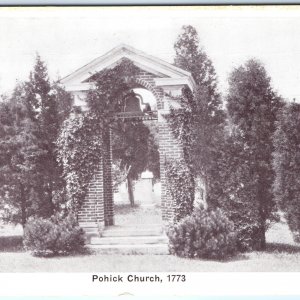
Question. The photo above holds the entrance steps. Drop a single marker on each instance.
(130, 240)
(127, 249)
(122, 231)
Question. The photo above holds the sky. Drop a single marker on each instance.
(69, 37)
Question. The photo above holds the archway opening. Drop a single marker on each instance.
(135, 163)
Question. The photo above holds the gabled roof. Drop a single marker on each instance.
(151, 64)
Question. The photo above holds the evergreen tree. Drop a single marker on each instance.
(47, 121)
(235, 194)
(18, 149)
(31, 180)
(286, 162)
(64, 102)
(205, 114)
(252, 107)
(191, 57)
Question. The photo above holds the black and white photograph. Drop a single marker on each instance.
(150, 139)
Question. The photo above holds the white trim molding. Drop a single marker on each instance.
(167, 74)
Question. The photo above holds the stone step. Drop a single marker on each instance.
(127, 249)
(132, 231)
(91, 230)
(129, 240)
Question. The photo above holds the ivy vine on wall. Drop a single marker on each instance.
(80, 144)
(181, 186)
(181, 121)
(179, 174)
(80, 151)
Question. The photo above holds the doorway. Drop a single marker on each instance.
(136, 166)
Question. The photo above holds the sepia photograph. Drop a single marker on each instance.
(150, 139)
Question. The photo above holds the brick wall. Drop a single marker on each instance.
(107, 180)
(168, 145)
(92, 210)
(146, 80)
(98, 204)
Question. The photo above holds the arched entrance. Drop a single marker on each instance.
(165, 82)
(137, 205)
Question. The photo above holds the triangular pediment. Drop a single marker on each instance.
(93, 75)
(155, 66)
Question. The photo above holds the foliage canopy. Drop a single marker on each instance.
(286, 163)
(252, 107)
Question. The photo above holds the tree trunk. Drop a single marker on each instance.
(23, 205)
(262, 230)
(130, 190)
(263, 243)
(50, 198)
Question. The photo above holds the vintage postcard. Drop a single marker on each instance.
(149, 139)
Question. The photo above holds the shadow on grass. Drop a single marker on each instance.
(124, 209)
(79, 253)
(15, 244)
(237, 257)
(282, 248)
(232, 258)
(127, 209)
(272, 248)
(11, 243)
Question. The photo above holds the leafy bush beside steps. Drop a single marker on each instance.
(54, 236)
(204, 234)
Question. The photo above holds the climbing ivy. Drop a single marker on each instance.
(179, 174)
(181, 186)
(181, 121)
(111, 86)
(80, 144)
(80, 150)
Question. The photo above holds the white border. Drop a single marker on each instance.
(204, 284)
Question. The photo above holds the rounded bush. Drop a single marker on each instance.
(54, 236)
(204, 234)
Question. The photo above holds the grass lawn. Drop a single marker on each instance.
(281, 255)
(276, 258)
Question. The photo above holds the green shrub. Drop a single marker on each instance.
(54, 236)
(205, 234)
(246, 226)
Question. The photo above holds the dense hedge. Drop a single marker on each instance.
(204, 234)
(54, 236)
